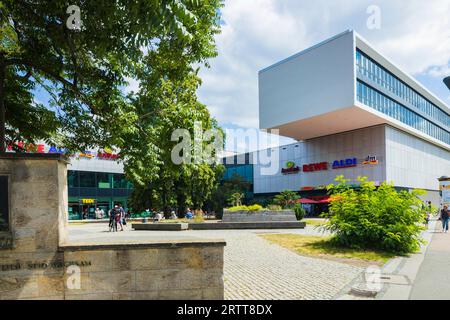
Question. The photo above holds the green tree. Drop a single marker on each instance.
(154, 42)
(221, 195)
(236, 199)
(286, 198)
(375, 217)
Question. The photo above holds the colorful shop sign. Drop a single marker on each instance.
(105, 154)
(444, 187)
(322, 166)
(347, 163)
(370, 160)
(87, 201)
(290, 168)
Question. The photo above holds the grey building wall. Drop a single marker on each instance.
(358, 143)
(312, 82)
(413, 162)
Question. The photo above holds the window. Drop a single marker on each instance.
(72, 179)
(119, 181)
(373, 98)
(103, 181)
(376, 73)
(87, 179)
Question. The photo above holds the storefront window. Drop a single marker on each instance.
(103, 180)
(87, 179)
(119, 181)
(72, 179)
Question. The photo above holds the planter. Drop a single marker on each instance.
(258, 216)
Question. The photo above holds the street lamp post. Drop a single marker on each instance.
(447, 82)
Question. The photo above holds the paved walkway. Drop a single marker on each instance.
(433, 279)
(253, 268)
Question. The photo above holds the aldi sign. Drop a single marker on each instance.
(346, 163)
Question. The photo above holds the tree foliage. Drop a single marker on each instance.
(158, 44)
(154, 42)
(286, 198)
(375, 217)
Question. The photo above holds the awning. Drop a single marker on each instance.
(306, 200)
(311, 201)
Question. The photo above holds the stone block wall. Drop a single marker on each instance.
(154, 272)
(258, 216)
(39, 262)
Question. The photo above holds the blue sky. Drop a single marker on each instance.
(414, 34)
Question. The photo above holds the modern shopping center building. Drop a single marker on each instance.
(353, 113)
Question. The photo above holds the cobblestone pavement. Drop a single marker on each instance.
(257, 269)
(253, 267)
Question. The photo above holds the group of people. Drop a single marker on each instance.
(117, 217)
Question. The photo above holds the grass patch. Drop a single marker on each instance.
(314, 222)
(322, 247)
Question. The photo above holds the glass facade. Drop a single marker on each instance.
(245, 171)
(90, 190)
(384, 104)
(368, 70)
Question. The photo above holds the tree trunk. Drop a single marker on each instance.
(2, 106)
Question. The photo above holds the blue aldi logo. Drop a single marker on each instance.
(347, 163)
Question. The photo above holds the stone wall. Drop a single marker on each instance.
(258, 216)
(39, 263)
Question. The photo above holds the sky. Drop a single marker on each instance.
(414, 34)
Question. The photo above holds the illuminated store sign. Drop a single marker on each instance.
(290, 168)
(105, 154)
(347, 163)
(315, 167)
(87, 201)
(370, 160)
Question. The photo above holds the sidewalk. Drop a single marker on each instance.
(433, 279)
(423, 275)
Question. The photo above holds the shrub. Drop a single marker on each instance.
(375, 217)
(255, 207)
(274, 207)
(237, 208)
(286, 198)
(299, 212)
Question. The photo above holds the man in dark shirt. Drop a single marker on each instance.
(445, 213)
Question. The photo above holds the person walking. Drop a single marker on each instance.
(112, 219)
(445, 213)
(121, 218)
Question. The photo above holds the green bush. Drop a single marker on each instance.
(299, 211)
(255, 207)
(286, 198)
(274, 207)
(375, 217)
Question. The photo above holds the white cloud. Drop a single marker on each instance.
(414, 34)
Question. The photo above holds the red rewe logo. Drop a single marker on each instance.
(315, 167)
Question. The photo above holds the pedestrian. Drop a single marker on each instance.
(189, 214)
(121, 217)
(112, 218)
(445, 213)
(98, 213)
